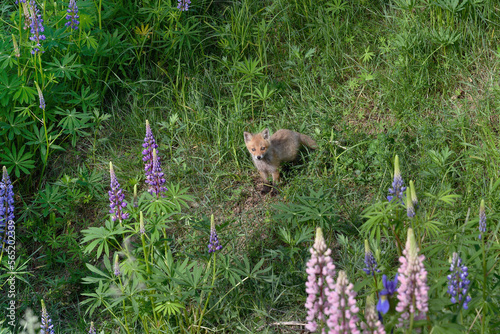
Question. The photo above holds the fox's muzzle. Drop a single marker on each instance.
(259, 157)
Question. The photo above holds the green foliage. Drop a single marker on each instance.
(366, 79)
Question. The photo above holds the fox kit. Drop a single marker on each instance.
(268, 152)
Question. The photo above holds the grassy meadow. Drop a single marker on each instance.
(368, 80)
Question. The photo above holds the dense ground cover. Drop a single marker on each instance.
(368, 80)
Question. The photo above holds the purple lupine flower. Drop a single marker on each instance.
(116, 265)
(72, 16)
(213, 244)
(373, 325)
(46, 327)
(482, 219)
(155, 179)
(36, 27)
(92, 328)
(320, 272)
(390, 288)
(398, 187)
(152, 164)
(149, 144)
(342, 311)
(6, 203)
(413, 292)
(116, 197)
(458, 284)
(410, 209)
(183, 5)
(370, 261)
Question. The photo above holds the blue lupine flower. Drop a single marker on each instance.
(398, 187)
(183, 5)
(6, 202)
(370, 261)
(482, 219)
(116, 197)
(46, 327)
(72, 16)
(390, 287)
(36, 26)
(458, 284)
(213, 244)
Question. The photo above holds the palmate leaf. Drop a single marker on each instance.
(169, 308)
(15, 125)
(8, 85)
(64, 68)
(103, 238)
(17, 161)
(25, 94)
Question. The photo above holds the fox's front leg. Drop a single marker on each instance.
(264, 176)
(276, 177)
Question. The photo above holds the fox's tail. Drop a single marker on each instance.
(308, 141)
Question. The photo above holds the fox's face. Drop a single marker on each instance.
(257, 144)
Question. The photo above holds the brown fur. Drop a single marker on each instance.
(269, 152)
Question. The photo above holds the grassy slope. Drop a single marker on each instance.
(366, 81)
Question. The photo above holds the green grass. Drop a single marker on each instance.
(366, 79)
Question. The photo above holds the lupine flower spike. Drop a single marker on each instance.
(458, 284)
(6, 203)
(482, 219)
(142, 229)
(116, 197)
(149, 144)
(152, 164)
(410, 209)
(92, 328)
(46, 327)
(213, 244)
(320, 273)
(183, 5)
(342, 311)
(398, 187)
(413, 292)
(372, 324)
(370, 261)
(36, 27)
(413, 195)
(155, 179)
(390, 288)
(116, 265)
(72, 16)
(135, 196)
(40, 96)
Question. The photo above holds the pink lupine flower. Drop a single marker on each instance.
(343, 312)
(372, 324)
(320, 270)
(413, 292)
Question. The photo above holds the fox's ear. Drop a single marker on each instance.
(265, 134)
(248, 136)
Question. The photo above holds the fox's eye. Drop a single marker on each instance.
(253, 149)
(262, 148)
